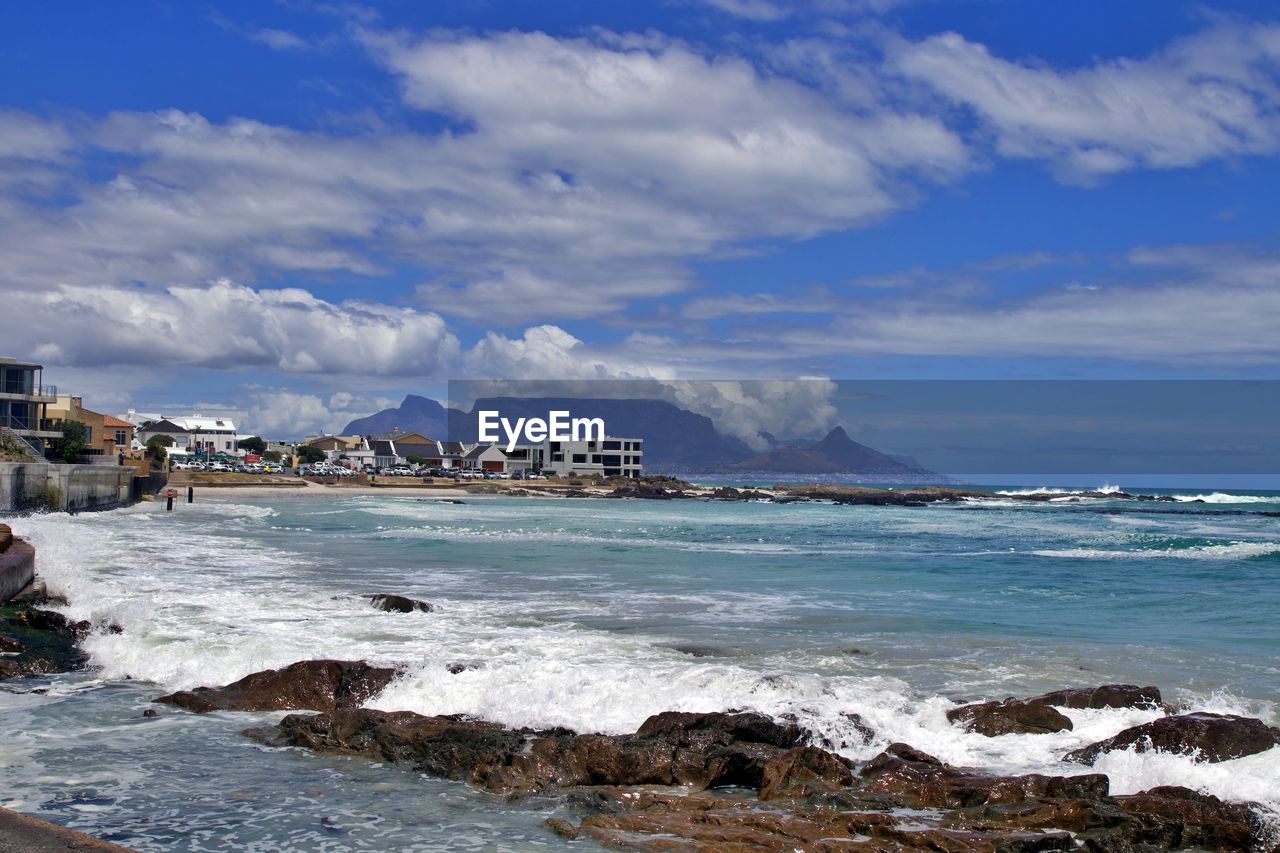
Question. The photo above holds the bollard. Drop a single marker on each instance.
(191, 494)
(168, 503)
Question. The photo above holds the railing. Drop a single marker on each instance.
(28, 389)
(12, 439)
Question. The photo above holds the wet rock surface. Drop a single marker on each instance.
(1104, 696)
(646, 490)
(316, 685)
(399, 604)
(34, 641)
(1012, 716)
(1039, 714)
(746, 785)
(741, 780)
(1207, 737)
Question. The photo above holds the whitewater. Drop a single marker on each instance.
(596, 614)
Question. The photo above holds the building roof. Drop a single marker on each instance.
(198, 423)
(167, 425)
(413, 438)
(115, 423)
(384, 447)
(480, 449)
(451, 448)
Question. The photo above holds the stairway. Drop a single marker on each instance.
(15, 445)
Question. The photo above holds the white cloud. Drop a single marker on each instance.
(549, 352)
(280, 413)
(228, 326)
(755, 10)
(1205, 97)
(279, 39)
(1189, 306)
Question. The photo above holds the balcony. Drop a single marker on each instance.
(29, 393)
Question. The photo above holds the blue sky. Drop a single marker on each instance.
(300, 211)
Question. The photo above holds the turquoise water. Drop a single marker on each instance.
(594, 614)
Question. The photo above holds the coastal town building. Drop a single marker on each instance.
(24, 400)
(608, 457)
(195, 435)
(105, 436)
(485, 457)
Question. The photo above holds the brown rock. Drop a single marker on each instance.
(316, 685)
(684, 728)
(1174, 817)
(1105, 696)
(905, 776)
(1207, 737)
(399, 604)
(561, 827)
(803, 771)
(1012, 716)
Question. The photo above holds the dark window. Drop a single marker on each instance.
(580, 458)
(612, 445)
(613, 459)
(595, 458)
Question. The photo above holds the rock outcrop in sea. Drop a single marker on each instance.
(743, 780)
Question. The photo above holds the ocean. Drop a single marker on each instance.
(594, 614)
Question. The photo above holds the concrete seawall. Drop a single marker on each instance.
(17, 569)
(70, 488)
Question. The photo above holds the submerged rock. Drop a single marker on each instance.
(39, 642)
(1205, 736)
(808, 798)
(1038, 715)
(399, 604)
(1104, 696)
(1012, 716)
(674, 748)
(646, 490)
(317, 685)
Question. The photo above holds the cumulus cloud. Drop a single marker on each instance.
(229, 326)
(1190, 306)
(1205, 97)
(281, 413)
(551, 352)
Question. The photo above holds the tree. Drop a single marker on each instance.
(309, 455)
(414, 459)
(71, 445)
(271, 456)
(145, 424)
(253, 444)
(156, 450)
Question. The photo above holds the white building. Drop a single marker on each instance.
(608, 457)
(195, 435)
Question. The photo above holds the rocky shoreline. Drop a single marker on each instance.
(740, 780)
(735, 779)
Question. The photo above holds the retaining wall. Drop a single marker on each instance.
(17, 564)
(70, 488)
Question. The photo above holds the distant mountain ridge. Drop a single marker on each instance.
(835, 453)
(675, 440)
(415, 414)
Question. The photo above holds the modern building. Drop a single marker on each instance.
(195, 435)
(24, 400)
(608, 457)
